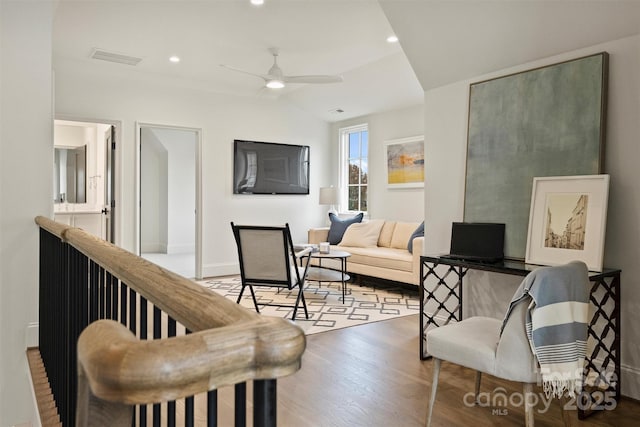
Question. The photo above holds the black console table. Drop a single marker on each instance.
(441, 302)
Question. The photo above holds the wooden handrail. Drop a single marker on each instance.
(121, 368)
(175, 295)
(229, 343)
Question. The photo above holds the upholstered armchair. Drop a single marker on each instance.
(505, 349)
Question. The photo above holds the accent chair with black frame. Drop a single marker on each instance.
(268, 258)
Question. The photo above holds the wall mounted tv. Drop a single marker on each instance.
(270, 168)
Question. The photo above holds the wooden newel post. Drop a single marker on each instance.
(95, 412)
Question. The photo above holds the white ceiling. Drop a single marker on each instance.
(444, 40)
(346, 37)
(452, 40)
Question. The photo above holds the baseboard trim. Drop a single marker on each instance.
(153, 248)
(32, 335)
(630, 382)
(215, 270)
(181, 249)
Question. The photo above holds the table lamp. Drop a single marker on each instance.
(329, 196)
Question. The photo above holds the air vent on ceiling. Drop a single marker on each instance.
(105, 55)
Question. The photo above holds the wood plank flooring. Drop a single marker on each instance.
(371, 375)
(44, 399)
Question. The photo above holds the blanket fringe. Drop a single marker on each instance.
(558, 387)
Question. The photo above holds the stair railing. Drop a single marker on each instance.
(98, 306)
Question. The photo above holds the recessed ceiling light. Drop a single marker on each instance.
(257, 2)
(174, 58)
(392, 38)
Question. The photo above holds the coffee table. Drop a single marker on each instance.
(323, 274)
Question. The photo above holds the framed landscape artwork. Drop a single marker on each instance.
(549, 121)
(567, 220)
(405, 162)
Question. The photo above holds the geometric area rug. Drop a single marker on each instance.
(363, 304)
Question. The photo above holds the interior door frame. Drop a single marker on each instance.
(117, 168)
(137, 210)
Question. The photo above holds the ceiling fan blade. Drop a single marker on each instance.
(312, 79)
(245, 72)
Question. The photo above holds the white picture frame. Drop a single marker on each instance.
(397, 155)
(567, 220)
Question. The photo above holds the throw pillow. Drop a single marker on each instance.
(339, 226)
(419, 232)
(401, 234)
(386, 234)
(363, 235)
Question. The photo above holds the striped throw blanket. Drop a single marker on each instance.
(556, 323)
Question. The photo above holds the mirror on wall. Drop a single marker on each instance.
(70, 175)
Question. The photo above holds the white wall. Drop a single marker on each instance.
(394, 204)
(445, 140)
(181, 188)
(103, 94)
(26, 132)
(69, 136)
(153, 193)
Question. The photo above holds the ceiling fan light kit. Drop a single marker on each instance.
(275, 84)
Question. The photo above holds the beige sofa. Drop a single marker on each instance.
(388, 258)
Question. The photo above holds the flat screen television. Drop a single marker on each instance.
(270, 168)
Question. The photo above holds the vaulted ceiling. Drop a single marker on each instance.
(448, 41)
(346, 37)
(441, 41)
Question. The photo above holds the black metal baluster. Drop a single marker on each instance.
(143, 336)
(133, 300)
(108, 293)
(93, 292)
(171, 406)
(157, 334)
(66, 337)
(264, 403)
(188, 405)
(115, 287)
(101, 294)
(240, 405)
(123, 303)
(212, 408)
(189, 411)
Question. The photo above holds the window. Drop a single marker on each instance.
(354, 170)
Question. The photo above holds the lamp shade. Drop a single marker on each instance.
(328, 195)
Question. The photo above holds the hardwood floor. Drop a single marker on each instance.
(371, 375)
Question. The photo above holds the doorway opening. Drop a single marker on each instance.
(84, 180)
(169, 221)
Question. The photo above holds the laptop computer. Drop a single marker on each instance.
(477, 241)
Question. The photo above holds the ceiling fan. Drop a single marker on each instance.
(275, 79)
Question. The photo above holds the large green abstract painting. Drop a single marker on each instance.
(548, 121)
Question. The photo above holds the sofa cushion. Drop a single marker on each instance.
(401, 234)
(339, 225)
(390, 258)
(362, 235)
(386, 233)
(418, 232)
